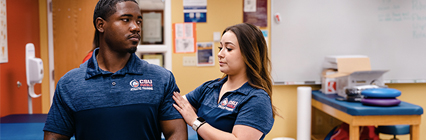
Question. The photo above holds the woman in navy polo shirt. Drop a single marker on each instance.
(238, 105)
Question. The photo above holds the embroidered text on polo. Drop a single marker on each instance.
(141, 84)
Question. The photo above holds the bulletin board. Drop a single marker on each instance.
(391, 33)
(256, 12)
(184, 37)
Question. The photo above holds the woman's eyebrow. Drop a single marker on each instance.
(228, 42)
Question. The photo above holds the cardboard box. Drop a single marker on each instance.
(330, 61)
(355, 72)
(328, 85)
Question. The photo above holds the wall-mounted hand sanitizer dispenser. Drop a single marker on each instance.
(34, 70)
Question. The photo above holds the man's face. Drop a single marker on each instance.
(122, 29)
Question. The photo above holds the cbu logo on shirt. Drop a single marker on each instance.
(141, 84)
(228, 105)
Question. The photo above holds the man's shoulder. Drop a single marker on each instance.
(74, 74)
(155, 69)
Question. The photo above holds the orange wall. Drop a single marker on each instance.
(22, 28)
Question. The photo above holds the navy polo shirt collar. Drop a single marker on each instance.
(133, 66)
(244, 89)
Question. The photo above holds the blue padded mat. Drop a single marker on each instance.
(23, 127)
(22, 131)
(30, 127)
(358, 109)
(24, 118)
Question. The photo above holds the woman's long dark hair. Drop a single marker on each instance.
(255, 54)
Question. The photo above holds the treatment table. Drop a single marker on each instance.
(356, 114)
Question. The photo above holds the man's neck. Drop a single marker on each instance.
(111, 61)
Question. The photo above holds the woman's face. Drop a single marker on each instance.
(230, 59)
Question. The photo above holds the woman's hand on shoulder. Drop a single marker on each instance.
(185, 108)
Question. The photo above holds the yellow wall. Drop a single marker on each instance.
(190, 77)
(220, 14)
(223, 13)
(415, 94)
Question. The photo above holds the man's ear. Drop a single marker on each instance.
(100, 24)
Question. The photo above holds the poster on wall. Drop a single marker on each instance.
(184, 37)
(205, 54)
(154, 58)
(152, 27)
(256, 12)
(3, 30)
(195, 10)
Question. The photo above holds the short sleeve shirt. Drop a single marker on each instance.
(245, 106)
(129, 104)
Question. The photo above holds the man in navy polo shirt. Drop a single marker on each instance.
(115, 95)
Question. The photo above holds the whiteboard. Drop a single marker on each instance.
(392, 33)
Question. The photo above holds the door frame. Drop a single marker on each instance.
(50, 49)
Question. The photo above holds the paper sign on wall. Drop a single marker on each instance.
(3, 30)
(205, 54)
(184, 37)
(195, 10)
